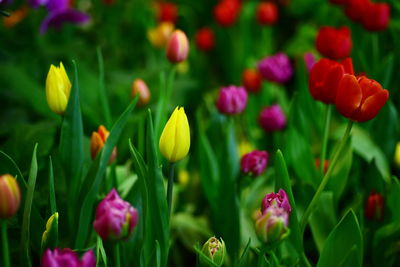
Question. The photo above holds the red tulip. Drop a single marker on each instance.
(334, 43)
(339, 2)
(376, 17)
(267, 13)
(167, 12)
(355, 9)
(360, 98)
(205, 39)
(252, 80)
(374, 206)
(325, 76)
(226, 12)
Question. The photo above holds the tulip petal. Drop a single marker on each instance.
(372, 105)
(331, 82)
(167, 139)
(55, 95)
(349, 95)
(182, 136)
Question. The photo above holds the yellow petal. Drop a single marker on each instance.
(167, 139)
(182, 136)
(66, 82)
(56, 98)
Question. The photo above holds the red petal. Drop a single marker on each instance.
(331, 83)
(348, 96)
(347, 64)
(372, 105)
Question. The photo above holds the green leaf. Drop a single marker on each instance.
(282, 180)
(345, 238)
(50, 235)
(204, 260)
(52, 192)
(25, 233)
(85, 215)
(243, 259)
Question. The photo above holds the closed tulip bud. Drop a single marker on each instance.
(205, 40)
(360, 99)
(50, 235)
(226, 12)
(140, 88)
(376, 17)
(58, 88)
(232, 100)
(272, 119)
(97, 142)
(254, 163)
(276, 68)
(214, 250)
(272, 225)
(66, 257)
(159, 35)
(334, 43)
(267, 13)
(252, 80)
(10, 196)
(175, 138)
(167, 12)
(177, 47)
(325, 76)
(279, 199)
(115, 218)
(374, 206)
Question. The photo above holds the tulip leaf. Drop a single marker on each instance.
(100, 252)
(243, 257)
(71, 144)
(282, 180)
(52, 192)
(25, 233)
(344, 244)
(85, 215)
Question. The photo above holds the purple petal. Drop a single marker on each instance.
(56, 5)
(56, 19)
(88, 259)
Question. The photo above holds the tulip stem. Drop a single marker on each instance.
(4, 238)
(314, 201)
(170, 187)
(328, 116)
(117, 259)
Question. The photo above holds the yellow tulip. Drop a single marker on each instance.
(159, 35)
(58, 88)
(397, 155)
(175, 138)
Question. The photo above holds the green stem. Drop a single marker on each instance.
(325, 180)
(117, 258)
(170, 187)
(6, 255)
(328, 116)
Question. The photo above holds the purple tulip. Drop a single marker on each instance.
(115, 218)
(272, 118)
(279, 200)
(254, 163)
(276, 68)
(309, 59)
(272, 225)
(66, 257)
(232, 100)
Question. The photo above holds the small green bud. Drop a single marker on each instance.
(214, 250)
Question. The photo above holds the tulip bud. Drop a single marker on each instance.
(254, 163)
(175, 138)
(214, 250)
(10, 196)
(226, 12)
(374, 206)
(279, 200)
(115, 218)
(58, 88)
(66, 257)
(334, 43)
(267, 13)
(252, 80)
(140, 88)
(159, 36)
(232, 100)
(376, 17)
(205, 39)
(272, 226)
(272, 119)
(167, 12)
(276, 68)
(177, 47)
(97, 142)
(50, 235)
(397, 155)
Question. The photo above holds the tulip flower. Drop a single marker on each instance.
(97, 142)
(175, 138)
(279, 199)
(376, 17)
(205, 39)
(58, 88)
(140, 88)
(232, 100)
(334, 43)
(226, 12)
(355, 9)
(115, 218)
(214, 250)
(50, 235)
(167, 12)
(325, 76)
(15, 17)
(272, 225)
(374, 206)
(177, 47)
(267, 13)
(272, 119)
(252, 80)
(159, 35)
(254, 163)
(276, 68)
(360, 99)
(10, 196)
(66, 257)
